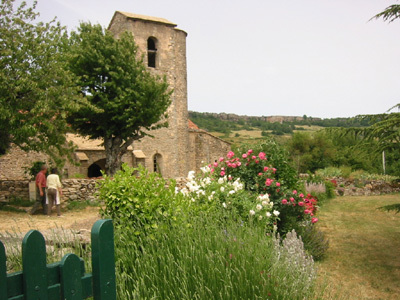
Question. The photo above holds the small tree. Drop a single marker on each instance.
(35, 88)
(127, 101)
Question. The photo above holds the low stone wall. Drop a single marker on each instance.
(365, 187)
(14, 189)
(73, 189)
(79, 189)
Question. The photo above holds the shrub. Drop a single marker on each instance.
(256, 170)
(329, 172)
(138, 198)
(315, 242)
(228, 198)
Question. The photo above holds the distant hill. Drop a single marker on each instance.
(276, 125)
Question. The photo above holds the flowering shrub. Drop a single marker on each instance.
(227, 196)
(259, 176)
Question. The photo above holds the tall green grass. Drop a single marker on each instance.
(205, 261)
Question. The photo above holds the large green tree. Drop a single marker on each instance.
(127, 100)
(36, 90)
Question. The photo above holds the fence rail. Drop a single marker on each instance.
(65, 279)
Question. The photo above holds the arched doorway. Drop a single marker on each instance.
(96, 168)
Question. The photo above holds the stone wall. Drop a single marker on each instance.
(73, 189)
(205, 148)
(14, 188)
(79, 189)
(346, 187)
(13, 164)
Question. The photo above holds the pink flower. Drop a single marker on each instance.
(221, 159)
(229, 165)
(262, 155)
(244, 155)
(294, 192)
(268, 182)
(278, 184)
(222, 169)
(314, 220)
(215, 164)
(250, 151)
(292, 199)
(233, 165)
(260, 174)
(229, 177)
(306, 211)
(273, 170)
(301, 203)
(253, 157)
(230, 154)
(212, 170)
(222, 173)
(301, 195)
(266, 169)
(257, 161)
(284, 201)
(239, 164)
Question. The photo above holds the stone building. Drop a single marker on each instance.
(174, 150)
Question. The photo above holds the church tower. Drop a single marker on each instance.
(163, 47)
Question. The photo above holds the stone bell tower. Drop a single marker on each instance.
(163, 47)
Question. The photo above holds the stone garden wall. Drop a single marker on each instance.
(73, 189)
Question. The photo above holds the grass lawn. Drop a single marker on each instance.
(363, 261)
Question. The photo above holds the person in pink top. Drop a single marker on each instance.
(40, 191)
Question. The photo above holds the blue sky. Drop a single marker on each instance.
(318, 58)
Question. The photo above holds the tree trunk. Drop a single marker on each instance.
(113, 155)
(115, 148)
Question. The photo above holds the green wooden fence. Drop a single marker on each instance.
(65, 279)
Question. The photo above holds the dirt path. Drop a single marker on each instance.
(75, 220)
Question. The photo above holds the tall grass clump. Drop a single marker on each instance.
(207, 261)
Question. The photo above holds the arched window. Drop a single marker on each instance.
(157, 163)
(151, 52)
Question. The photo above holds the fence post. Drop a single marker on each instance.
(70, 275)
(103, 262)
(3, 273)
(34, 266)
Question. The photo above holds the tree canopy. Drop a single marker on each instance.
(36, 90)
(127, 100)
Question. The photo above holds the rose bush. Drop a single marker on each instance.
(260, 176)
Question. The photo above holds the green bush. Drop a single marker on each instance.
(329, 172)
(315, 242)
(140, 199)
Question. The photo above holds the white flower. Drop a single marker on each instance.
(260, 218)
(264, 203)
(205, 169)
(276, 213)
(210, 197)
(220, 180)
(191, 175)
(193, 200)
(259, 206)
(232, 192)
(252, 212)
(184, 191)
(213, 192)
(222, 189)
(224, 205)
(268, 214)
